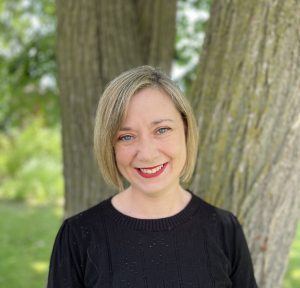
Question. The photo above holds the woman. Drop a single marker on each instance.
(153, 233)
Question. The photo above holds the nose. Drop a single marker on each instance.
(147, 150)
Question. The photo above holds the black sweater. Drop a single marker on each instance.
(201, 246)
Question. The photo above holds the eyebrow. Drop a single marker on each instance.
(155, 122)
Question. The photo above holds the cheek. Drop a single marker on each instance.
(123, 156)
(120, 158)
(121, 161)
(176, 147)
(182, 147)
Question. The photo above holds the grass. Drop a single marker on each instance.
(26, 239)
(292, 276)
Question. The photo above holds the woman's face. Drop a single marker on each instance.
(150, 146)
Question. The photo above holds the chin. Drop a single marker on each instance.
(155, 188)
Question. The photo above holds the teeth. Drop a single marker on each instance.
(151, 171)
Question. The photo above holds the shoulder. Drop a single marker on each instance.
(86, 225)
(220, 223)
(89, 216)
(222, 217)
(223, 227)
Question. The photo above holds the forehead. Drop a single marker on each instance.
(151, 97)
(151, 102)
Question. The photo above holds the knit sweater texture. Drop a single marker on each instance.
(201, 246)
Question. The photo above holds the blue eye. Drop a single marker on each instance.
(126, 138)
(163, 130)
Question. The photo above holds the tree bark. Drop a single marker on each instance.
(246, 96)
(97, 40)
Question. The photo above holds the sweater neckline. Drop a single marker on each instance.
(158, 224)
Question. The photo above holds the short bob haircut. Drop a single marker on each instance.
(112, 109)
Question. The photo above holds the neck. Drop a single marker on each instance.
(151, 206)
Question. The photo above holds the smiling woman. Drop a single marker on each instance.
(152, 233)
(114, 118)
(153, 158)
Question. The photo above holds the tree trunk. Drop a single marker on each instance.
(247, 98)
(97, 40)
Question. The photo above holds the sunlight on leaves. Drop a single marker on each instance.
(39, 266)
(296, 274)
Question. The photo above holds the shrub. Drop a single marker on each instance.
(30, 163)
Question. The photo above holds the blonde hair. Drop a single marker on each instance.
(112, 109)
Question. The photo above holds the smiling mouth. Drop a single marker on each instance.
(152, 171)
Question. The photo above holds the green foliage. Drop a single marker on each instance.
(192, 17)
(26, 239)
(292, 276)
(30, 163)
(27, 62)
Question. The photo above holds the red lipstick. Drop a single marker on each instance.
(151, 175)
